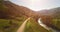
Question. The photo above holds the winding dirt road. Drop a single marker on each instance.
(22, 27)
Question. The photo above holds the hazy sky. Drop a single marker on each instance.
(38, 4)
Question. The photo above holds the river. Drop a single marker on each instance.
(44, 26)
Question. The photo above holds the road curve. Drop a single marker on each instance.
(22, 27)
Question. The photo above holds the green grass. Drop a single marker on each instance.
(10, 25)
(33, 26)
(56, 22)
(7, 25)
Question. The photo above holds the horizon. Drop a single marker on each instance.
(38, 5)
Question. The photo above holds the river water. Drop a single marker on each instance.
(44, 26)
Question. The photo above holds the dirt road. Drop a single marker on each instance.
(21, 28)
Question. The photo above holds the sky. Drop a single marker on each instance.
(38, 5)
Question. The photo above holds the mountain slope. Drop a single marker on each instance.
(13, 10)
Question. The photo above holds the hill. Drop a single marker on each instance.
(12, 10)
(51, 17)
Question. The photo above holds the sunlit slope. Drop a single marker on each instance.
(33, 26)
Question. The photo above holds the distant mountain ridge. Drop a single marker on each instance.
(50, 11)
